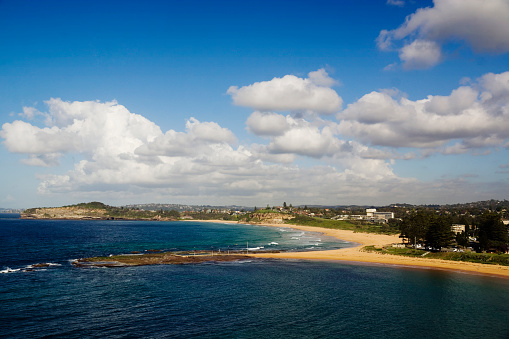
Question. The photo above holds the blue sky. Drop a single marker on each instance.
(253, 102)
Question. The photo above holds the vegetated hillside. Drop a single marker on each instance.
(97, 211)
(266, 216)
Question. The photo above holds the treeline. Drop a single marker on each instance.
(434, 230)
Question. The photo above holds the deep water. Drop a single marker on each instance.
(246, 299)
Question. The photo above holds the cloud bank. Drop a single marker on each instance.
(122, 152)
(115, 152)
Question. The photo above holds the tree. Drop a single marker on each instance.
(415, 226)
(492, 232)
(284, 205)
(439, 233)
(462, 239)
(174, 214)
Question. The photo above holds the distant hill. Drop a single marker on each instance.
(10, 210)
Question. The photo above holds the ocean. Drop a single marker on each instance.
(266, 298)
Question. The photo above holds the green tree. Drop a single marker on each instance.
(174, 214)
(492, 232)
(462, 239)
(439, 233)
(415, 226)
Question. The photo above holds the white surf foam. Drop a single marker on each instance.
(10, 270)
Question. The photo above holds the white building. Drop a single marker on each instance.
(371, 213)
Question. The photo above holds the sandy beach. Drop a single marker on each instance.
(354, 254)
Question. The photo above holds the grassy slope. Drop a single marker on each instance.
(481, 258)
(341, 224)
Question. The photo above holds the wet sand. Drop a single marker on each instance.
(355, 254)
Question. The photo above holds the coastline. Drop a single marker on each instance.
(355, 254)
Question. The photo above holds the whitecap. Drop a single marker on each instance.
(40, 266)
(10, 270)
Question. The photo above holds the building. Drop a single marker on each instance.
(457, 228)
(372, 214)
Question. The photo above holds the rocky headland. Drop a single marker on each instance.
(97, 211)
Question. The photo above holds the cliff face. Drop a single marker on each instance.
(65, 213)
(95, 213)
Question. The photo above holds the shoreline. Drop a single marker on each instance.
(355, 254)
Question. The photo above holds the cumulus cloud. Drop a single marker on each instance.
(321, 78)
(268, 124)
(477, 116)
(297, 136)
(308, 141)
(88, 127)
(481, 24)
(290, 93)
(420, 54)
(199, 137)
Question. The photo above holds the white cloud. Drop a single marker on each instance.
(268, 124)
(42, 160)
(478, 116)
(391, 67)
(199, 138)
(209, 131)
(200, 165)
(420, 54)
(90, 127)
(30, 113)
(321, 78)
(399, 3)
(290, 93)
(297, 136)
(460, 100)
(481, 24)
(126, 156)
(308, 141)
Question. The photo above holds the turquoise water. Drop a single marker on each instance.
(247, 299)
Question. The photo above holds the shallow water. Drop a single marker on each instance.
(247, 299)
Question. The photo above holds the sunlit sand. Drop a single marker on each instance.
(355, 254)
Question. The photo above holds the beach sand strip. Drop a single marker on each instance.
(355, 253)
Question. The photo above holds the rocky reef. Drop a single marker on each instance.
(162, 258)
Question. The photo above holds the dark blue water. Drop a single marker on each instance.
(248, 299)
